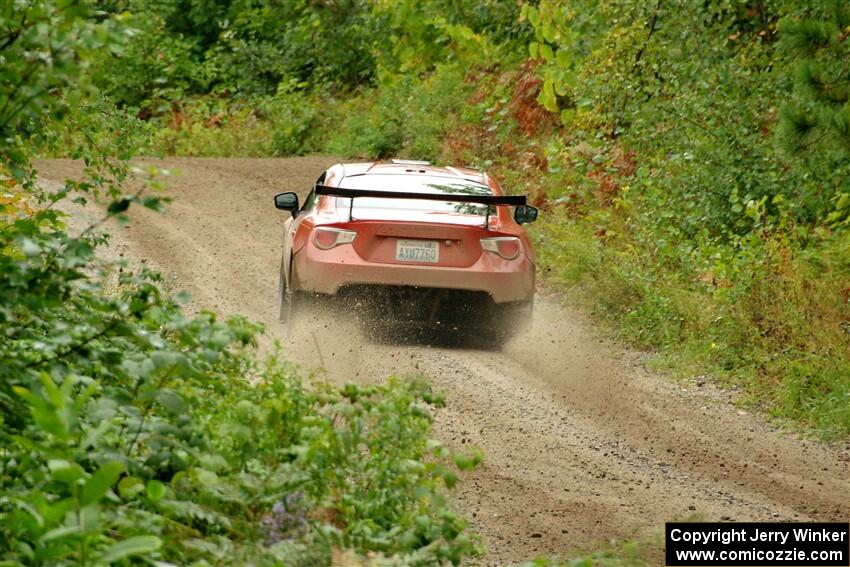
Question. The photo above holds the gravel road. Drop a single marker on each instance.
(582, 444)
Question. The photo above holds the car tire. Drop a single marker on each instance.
(296, 306)
(282, 300)
(291, 302)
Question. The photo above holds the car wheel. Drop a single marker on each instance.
(282, 299)
(295, 305)
(290, 301)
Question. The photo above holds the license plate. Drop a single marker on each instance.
(417, 251)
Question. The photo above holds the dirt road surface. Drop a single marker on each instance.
(582, 444)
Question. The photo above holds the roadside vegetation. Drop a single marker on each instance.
(133, 433)
(691, 164)
(645, 552)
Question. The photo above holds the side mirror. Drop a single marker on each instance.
(525, 214)
(287, 202)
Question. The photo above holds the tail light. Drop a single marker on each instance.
(327, 238)
(507, 247)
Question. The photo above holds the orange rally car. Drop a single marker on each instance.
(412, 244)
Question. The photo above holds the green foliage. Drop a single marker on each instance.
(209, 127)
(43, 45)
(421, 36)
(270, 78)
(816, 122)
(184, 47)
(641, 552)
(130, 431)
(761, 314)
(683, 224)
(128, 424)
(284, 124)
(404, 116)
(155, 68)
(294, 117)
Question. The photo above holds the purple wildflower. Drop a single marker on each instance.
(287, 519)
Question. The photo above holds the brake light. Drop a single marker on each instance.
(505, 246)
(327, 238)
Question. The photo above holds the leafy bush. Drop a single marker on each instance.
(406, 115)
(208, 128)
(181, 48)
(675, 213)
(131, 431)
(44, 48)
(285, 124)
(295, 118)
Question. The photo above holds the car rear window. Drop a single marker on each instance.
(415, 184)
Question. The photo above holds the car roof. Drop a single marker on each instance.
(414, 169)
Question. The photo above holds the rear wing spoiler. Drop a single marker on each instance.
(524, 213)
(452, 197)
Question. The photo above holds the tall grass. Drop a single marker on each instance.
(779, 329)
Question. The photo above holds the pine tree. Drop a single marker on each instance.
(820, 112)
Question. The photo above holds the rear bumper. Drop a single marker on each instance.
(327, 271)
